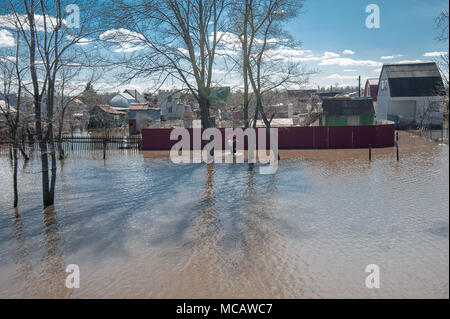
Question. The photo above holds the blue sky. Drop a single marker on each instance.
(406, 29)
(336, 42)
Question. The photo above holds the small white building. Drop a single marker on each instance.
(410, 94)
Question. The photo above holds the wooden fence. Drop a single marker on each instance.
(84, 144)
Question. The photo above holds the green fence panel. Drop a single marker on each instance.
(336, 121)
(366, 120)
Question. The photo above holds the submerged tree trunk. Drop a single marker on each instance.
(51, 141)
(16, 193)
(61, 154)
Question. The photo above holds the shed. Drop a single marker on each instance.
(342, 111)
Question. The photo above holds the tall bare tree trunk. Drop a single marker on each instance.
(204, 105)
(245, 66)
(16, 193)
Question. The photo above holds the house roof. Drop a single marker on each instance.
(411, 70)
(413, 79)
(138, 106)
(136, 95)
(276, 122)
(121, 100)
(348, 106)
(110, 110)
(373, 81)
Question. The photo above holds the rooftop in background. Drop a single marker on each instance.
(136, 95)
(110, 110)
(138, 106)
(276, 123)
(338, 106)
(219, 94)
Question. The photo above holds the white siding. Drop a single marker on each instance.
(384, 97)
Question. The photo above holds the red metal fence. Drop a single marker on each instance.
(312, 137)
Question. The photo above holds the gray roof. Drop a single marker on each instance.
(411, 70)
(121, 100)
(413, 79)
(136, 95)
(348, 106)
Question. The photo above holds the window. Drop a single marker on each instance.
(384, 85)
(169, 109)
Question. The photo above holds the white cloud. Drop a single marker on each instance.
(121, 35)
(377, 70)
(348, 52)
(411, 61)
(128, 41)
(390, 57)
(6, 38)
(7, 21)
(7, 58)
(128, 47)
(311, 57)
(80, 41)
(342, 77)
(350, 70)
(435, 54)
(349, 62)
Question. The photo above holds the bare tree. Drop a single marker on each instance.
(12, 76)
(442, 25)
(66, 94)
(47, 37)
(174, 40)
(261, 35)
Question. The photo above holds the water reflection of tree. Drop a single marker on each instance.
(24, 266)
(208, 219)
(53, 273)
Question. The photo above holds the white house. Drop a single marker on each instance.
(172, 103)
(410, 94)
(121, 101)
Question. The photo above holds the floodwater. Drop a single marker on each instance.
(139, 226)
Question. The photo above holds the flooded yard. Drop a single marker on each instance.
(140, 226)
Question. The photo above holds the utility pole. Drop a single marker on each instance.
(359, 86)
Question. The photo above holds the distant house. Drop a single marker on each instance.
(371, 89)
(410, 94)
(103, 116)
(12, 100)
(342, 111)
(140, 115)
(173, 104)
(122, 101)
(3, 111)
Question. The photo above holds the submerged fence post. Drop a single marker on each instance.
(396, 145)
(104, 148)
(370, 152)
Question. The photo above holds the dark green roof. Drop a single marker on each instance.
(219, 94)
(348, 106)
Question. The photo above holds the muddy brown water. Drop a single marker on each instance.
(140, 226)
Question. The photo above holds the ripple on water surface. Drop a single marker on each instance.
(141, 226)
